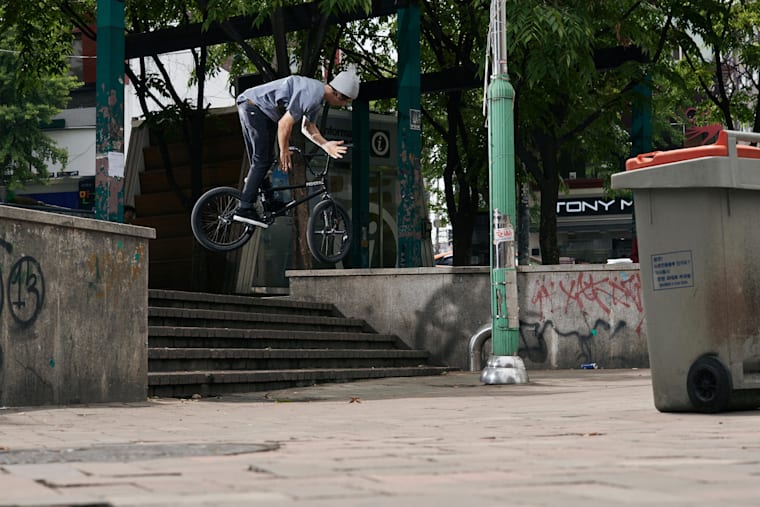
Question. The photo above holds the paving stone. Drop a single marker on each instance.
(569, 438)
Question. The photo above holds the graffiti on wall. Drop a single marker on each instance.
(587, 294)
(108, 273)
(533, 338)
(596, 310)
(22, 286)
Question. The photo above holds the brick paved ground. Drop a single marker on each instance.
(581, 437)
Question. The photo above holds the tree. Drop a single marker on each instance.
(160, 102)
(34, 88)
(568, 112)
(720, 65)
(569, 103)
(454, 36)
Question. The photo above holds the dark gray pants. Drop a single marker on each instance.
(259, 134)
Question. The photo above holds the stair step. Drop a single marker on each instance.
(184, 317)
(205, 337)
(162, 203)
(223, 173)
(183, 299)
(173, 273)
(212, 344)
(167, 226)
(229, 147)
(173, 248)
(213, 383)
(191, 359)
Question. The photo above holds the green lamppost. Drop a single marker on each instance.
(109, 122)
(504, 365)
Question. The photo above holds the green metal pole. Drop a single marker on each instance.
(504, 366)
(504, 334)
(641, 134)
(109, 123)
(410, 213)
(641, 118)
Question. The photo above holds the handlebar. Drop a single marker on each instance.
(309, 156)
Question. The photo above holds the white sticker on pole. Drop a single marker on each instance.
(501, 234)
(115, 164)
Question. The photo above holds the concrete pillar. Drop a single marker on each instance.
(109, 124)
(410, 219)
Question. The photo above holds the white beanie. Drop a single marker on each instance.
(347, 83)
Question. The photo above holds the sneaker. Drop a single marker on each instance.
(249, 216)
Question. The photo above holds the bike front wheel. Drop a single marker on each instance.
(329, 232)
(212, 224)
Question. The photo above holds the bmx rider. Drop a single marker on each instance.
(273, 109)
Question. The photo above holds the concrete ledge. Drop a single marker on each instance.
(569, 314)
(59, 220)
(73, 309)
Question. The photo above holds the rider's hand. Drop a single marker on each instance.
(335, 149)
(285, 162)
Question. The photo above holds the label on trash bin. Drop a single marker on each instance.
(672, 270)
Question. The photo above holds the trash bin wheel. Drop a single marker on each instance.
(709, 385)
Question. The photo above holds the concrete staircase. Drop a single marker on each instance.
(211, 344)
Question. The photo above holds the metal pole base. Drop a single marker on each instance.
(504, 370)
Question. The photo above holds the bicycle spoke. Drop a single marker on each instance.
(212, 221)
(329, 234)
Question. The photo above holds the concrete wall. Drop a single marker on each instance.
(73, 309)
(569, 315)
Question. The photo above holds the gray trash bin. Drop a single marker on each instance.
(698, 229)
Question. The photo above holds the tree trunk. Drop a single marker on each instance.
(548, 231)
(523, 226)
(462, 238)
(756, 123)
(549, 195)
(300, 254)
(462, 211)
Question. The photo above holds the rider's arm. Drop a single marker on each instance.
(284, 129)
(312, 133)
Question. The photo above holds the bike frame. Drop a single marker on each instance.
(295, 202)
(328, 231)
(321, 183)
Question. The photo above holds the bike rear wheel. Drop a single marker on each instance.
(212, 224)
(329, 232)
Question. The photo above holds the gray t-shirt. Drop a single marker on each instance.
(301, 96)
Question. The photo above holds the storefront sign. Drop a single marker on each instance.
(594, 206)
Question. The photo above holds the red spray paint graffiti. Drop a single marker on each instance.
(586, 294)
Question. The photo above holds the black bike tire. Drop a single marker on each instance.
(212, 224)
(316, 234)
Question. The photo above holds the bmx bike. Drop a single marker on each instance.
(328, 230)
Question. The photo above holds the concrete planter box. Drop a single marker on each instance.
(73, 309)
(569, 315)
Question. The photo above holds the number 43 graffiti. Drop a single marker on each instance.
(25, 289)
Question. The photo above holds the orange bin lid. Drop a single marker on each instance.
(718, 149)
